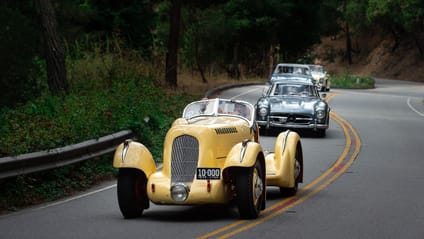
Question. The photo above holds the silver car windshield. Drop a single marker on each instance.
(292, 69)
(220, 107)
(316, 68)
(293, 90)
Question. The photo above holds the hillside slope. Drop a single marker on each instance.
(373, 56)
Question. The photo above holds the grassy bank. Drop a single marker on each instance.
(110, 91)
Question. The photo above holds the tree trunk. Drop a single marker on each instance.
(271, 55)
(348, 45)
(348, 40)
(396, 38)
(235, 65)
(54, 50)
(197, 59)
(172, 55)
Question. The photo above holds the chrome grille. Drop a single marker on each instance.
(184, 158)
(291, 118)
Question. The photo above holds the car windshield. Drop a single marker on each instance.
(293, 90)
(219, 107)
(288, 69)
(315, 68)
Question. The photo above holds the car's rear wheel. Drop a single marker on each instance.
(132, 193)
(291, 191)
(250, 187)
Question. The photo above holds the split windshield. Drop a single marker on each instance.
(218, 107)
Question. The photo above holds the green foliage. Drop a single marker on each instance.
(241, 32)
(19, 66)
(397, 14)
(131, 20)
(356, 16)
(347, 81)
(110, 92)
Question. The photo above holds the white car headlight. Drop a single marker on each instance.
(179, 192)
(263, 112)
(320, 113)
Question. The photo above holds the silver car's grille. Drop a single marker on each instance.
(184, 158)
(291, 118)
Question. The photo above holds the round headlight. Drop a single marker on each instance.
(263, 111)
(320, 114)
(179, 192)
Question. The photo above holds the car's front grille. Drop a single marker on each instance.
(184, 158)
(291, 118)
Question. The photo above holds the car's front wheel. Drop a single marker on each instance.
(132, 194)
(250, 187)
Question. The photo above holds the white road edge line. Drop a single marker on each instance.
(58, 202)
(412, 108)
(78, 197)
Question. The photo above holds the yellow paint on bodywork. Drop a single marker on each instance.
(137, 156)
(219, 147)
(280, 168)
(198, 194)
(237, 159)
(214, 145)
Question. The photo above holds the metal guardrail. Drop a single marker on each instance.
(58, 157)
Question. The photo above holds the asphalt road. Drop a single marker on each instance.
(363, 180)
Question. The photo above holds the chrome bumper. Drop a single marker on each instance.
(292, 125)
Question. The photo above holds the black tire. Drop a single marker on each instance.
(288, 192)
(132, 193)
(250, 188)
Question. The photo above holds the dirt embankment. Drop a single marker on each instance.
(374, 55)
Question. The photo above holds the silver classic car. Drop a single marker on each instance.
(287, 71)
(293, 104)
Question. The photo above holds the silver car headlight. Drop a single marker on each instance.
(263, 112)
(179, 192)
(320, 113)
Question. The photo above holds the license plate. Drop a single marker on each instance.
(208, 173)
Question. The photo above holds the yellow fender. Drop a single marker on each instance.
(244, 154)
(132, 154)
(284, 160)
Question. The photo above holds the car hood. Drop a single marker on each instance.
(291, 104)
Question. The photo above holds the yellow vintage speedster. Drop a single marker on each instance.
(211, 155)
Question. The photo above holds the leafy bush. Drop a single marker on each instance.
(19, 66)
(347, 81)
